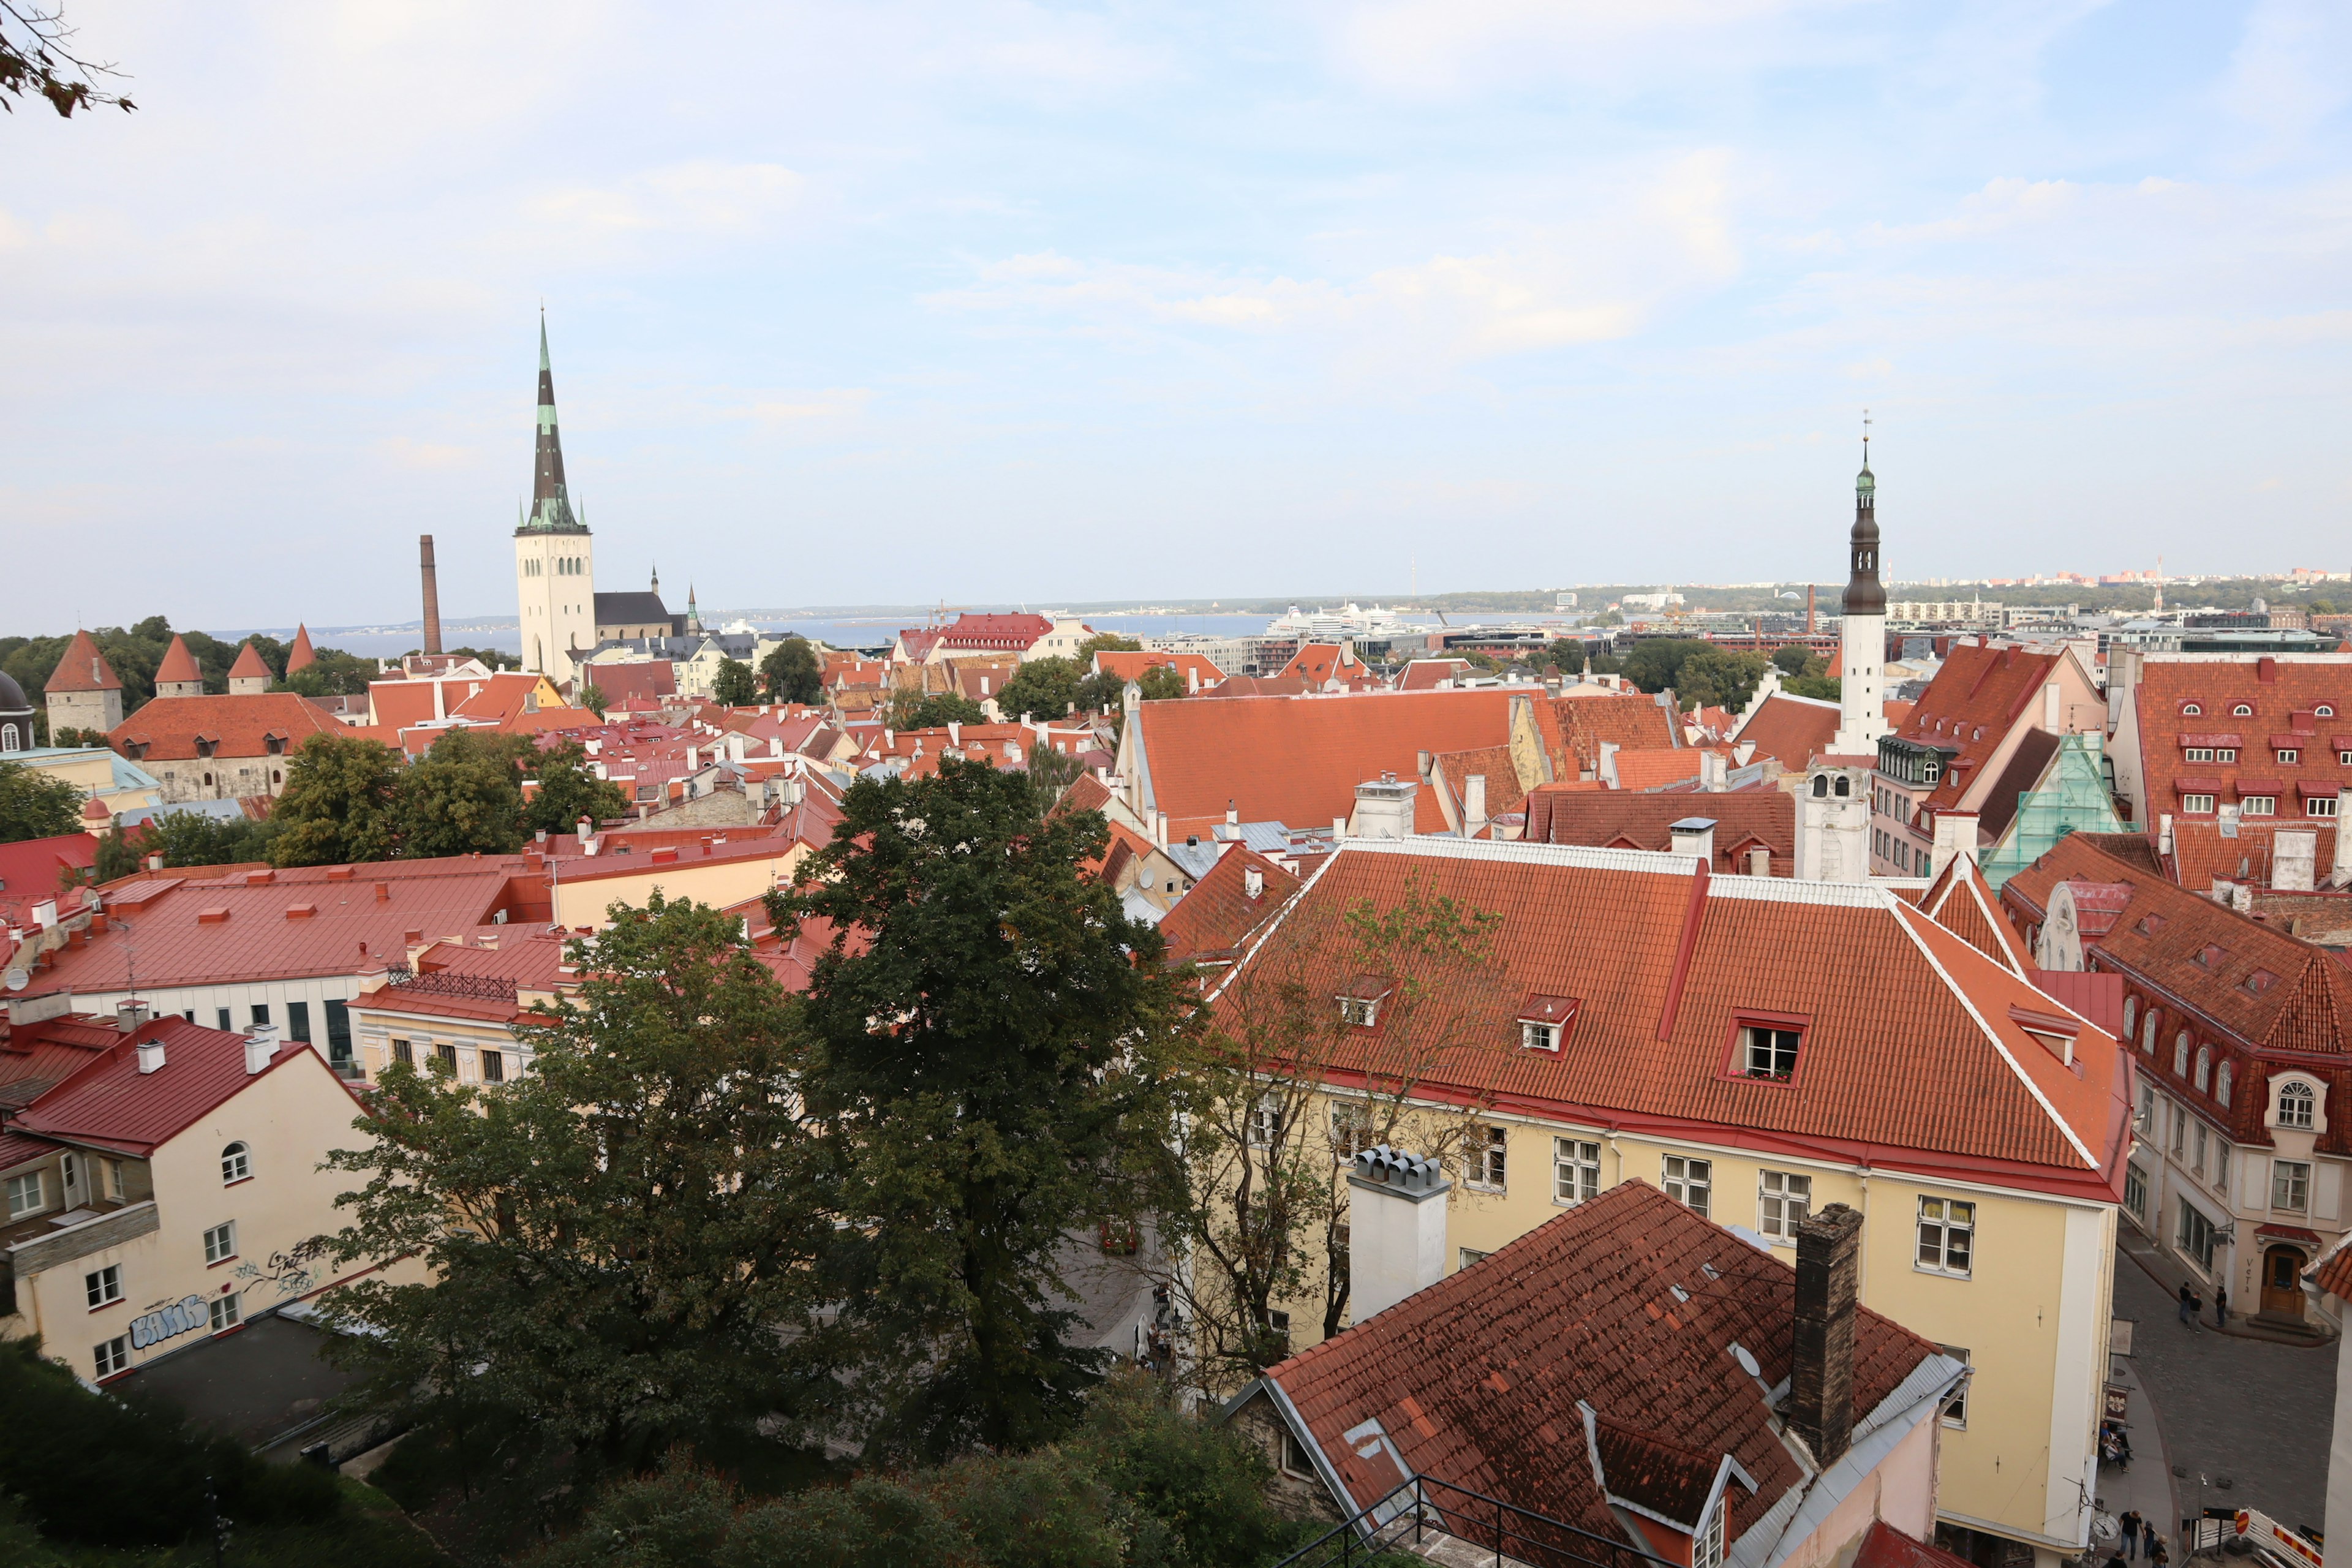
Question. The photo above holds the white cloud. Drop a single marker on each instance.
(2291, 71)
(1435, 46)
(696, 199)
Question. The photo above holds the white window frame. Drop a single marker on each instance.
(2319, 805)
(1707, 1546)
(2195, 1237)
(220, 1243)
(2291, 1186)
(1351, 1128)
(2197, 755)
(33, 1185)
(1761, 1046)
(1485, 1164)
(1263, 1126)
(2302, 1113)
(1955, 1412)
(2289, 755)
(1358, 1011)
(1535, 1036)
(2197, 805)
(2258, 805)
(1575, 1171)
(1294, 1459)
(2136, 1182)
(110, 1174)
(1689, 1181)
(236, 1162)
(111, 1356)
(227, 1311)
(1943, 1223)
(1784, 1199)
(102, 1287)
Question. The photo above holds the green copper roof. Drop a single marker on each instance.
(550, 500)
(1863, 484)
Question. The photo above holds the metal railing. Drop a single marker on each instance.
(1414, 1511)
(442, 982)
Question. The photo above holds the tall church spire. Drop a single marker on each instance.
(1862, 638)
(550, 500)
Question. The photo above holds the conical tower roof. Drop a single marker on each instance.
(302, 656)
(178, 664)
(248, 665)
(551, 499)
(82, 669)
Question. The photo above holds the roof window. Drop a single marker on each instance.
(2149, 924)
(2212, 955)
(2325, 711)
(2192, 709)
(2260, 981)
(1766, 1048)
(1359, 1003)
(1545, 1022)
(2242, 711)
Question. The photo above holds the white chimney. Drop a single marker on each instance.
(1956, 834)
(2053, 717)
(1339, 828)
(129, 1016)
(1473, 802)
(1695, 836)
(1396, 1229)
(2294, 859)
(1384, 808)
(1714, 777)
(259, 1047)
(1233, 814)
(1253, 881)
(151, 1055)
(955, 733)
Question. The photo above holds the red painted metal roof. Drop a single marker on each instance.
(111, 1103)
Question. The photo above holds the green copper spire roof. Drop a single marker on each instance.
(550, 500)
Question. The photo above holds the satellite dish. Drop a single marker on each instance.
(16, 979)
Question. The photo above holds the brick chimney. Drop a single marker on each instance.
(1820, 1408)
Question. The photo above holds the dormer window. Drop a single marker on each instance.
(2297, 1102)
(2212, 955)
(1768, 1050)
(1707, 1546)
(2242, 711)
(1359, 1003)
(2260, 981)
(2288, 753)
(1545, 1022)
(2323, 711)
(2192, 709)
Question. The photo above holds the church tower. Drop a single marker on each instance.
(555, 569)
(1862, 644)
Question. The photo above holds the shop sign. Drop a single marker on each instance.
(183, 1316)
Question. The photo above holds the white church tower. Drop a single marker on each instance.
(1862, 644)
(555, 561)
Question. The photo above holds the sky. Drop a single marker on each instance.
(995, 302)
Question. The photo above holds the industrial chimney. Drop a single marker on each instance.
(432, 595)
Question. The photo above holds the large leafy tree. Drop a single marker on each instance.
(911, 710)
(34, 805)
(568, 790)
(1042, 687)
(735, 685)
(191, 838)
(464, 795)
(991, 1067)
(340, 803)
(625, 1238)
(792, 672)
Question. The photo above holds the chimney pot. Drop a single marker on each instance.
(1820, 1381)
(259, 1047)
(129, 1016)
(151, 1055)
(1696, 835)
(1396, 1229)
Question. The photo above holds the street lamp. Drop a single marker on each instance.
(2193, 1528)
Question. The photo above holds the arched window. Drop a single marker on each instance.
(2242, 711)
(2296, 1103)
(237, 1164)
(2180, 1054)
(2192, 709)
(2131, 1016)
(1845, 787)
(8, 741)
(2325, 711)
(2221, 1084)
(2204, 1066)
(1820, 783)
(2148, 1034)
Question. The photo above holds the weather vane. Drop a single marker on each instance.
(1865, 438)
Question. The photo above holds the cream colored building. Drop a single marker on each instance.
(1760, 1048)
(163, 1194)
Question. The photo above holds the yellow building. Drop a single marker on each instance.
(160, 1194)
(1758, 1048)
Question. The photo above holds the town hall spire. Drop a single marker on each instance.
(1862, 635)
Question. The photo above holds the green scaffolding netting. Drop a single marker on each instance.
(2073, 798)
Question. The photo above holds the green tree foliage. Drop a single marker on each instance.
(591, 698)
(191, 838)
(1139, 1485)
(625, 1237)
(1161, 682)
(134, 653)
(339, 803)
(1042, 687)
(336, 674)
(1796, 659)
(1824, 687)
(1699, 672)
(921, 712)
(1104, 642)
(793, 673)
(735, 686)
(988, 1073)
(462, 796)
(34, 805)
(569, 789)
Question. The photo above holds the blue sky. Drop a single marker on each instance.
(897, 302)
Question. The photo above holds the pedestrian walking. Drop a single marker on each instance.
(2220, 1306)
(2131, 1522)
(2187, 1301)
(2155, 1551)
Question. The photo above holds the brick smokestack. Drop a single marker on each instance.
(1821, 1379)
(432, 595)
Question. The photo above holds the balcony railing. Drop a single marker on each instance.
(1420, 1510)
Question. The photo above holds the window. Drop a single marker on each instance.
(220, 1014)
(339, 1034)
(1948, 1234)
(2225, 753)
(1469, 1257)
(2344, 759)
(1294, 1459)
(220, 1243)
(1359, 1011)
(2222, 1085)
(237, 1164)
(2290, 1186)
(2148, 1034)
(2324, 711)
(1264, 1129)
(1785, 1200)
(2131, 1016)
(111, 1356)
(2196, 1236)
(1956, 1408)
(2146, 1108)
(1351, 1130)
(1689, 1181)
(2242, 711)
(226, 1312)
(1485, 1164)
(2197, 1164)
(2288, 754)
(260, 1014)
(104, 1288)
(1575, 1171)
(494, 1066)
(69, 1171)
(1707, 1546)
(2220, 1165)
(2136, 1191)
(2259, 804)
(2296, 1103)
(404, 1053)
(445, 1059)
(2192, 709)
(26, 1195)
(298, 1021)
(1769, 1052)
(2180, 1054)
(2197, 805)
(2197, 754)
(2180, 1128)
(2204, 1066)
(2319, 805)
(1539, 1037)
(110, 1173)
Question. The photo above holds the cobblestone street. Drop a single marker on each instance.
(2260, 1414)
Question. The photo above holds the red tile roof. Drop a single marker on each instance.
(1613, 819)
(1575, 727)
(1963, 902)
(622, 682)
(1263, 685)
(178, 664)
(1884, 1546)
(1492, 763)
(1131, 666)
(1299, 762)
(1628, 1303)
(2285, 712)
(1911, 1050)
(248, 665)
(110, 1103)
(243, 725)
(302, 656)
(1794, 730)
(1970, 707)
(1322, 661)
(1211, 921)
(1429, 674)
(1655, 770)
(82, 669)
(35, 1057)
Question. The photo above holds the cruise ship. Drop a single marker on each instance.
(1350, 620)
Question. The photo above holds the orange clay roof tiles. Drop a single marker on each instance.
(1628, 1302)
(1909, 1050)
(1218, 915)
(1612, 818)
(1428, 674)
(82, 669)
(1795, 729)
(248, 665)
(1968, 708)
(1963, 902)
(179, 664)
(241, 725)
